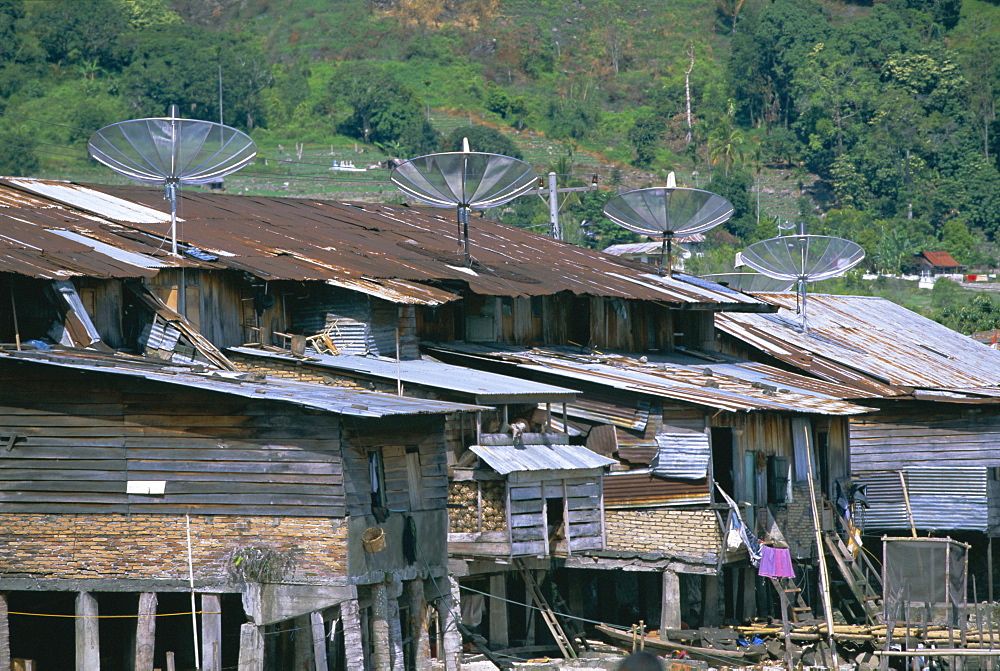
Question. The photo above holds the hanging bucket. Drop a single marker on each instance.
(373, 539)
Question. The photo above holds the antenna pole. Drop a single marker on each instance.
(464, 225)
(802, 293)
(670, 256)
(172, 195)
(554, 207)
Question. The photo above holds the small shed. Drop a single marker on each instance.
(534, 497)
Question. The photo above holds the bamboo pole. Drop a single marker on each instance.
(906, 499)
(824, 578)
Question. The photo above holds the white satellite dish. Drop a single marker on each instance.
(667, 212)
(465, 180)
(170, 151)
(803, 259)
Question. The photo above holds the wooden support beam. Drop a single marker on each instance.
(4, 632)
(88, 646)
(395, 635)
(710, 604)
(211, 632)
(145, 632)
(302, 651)
(418, 625)
(670, 603)
(380, 627)
(251, 648)
(499, 636)
(449, 606)
(318, 640)
(354, 648)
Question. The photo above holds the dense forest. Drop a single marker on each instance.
(876, 121)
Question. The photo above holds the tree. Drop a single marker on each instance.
(17, 151)
(481, 138)
(383, 109)
(644, 136)
(176, 64)
(81, 30)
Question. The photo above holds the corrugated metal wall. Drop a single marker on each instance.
(940, 498)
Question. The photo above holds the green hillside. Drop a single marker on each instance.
(875, 122)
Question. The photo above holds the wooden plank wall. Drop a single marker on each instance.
(395, 437)
(926, 434)
(87, 434)
(219, 298)
(528, 519)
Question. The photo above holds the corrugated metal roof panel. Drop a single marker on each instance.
(140, 260)
(482, 386)
(690, 384)
(397, 291)
(505, 459)
(940, 498)
(641, 489)
(867, 342)
(89, 200)
(304, 239)
(317, 396)
(682, 455)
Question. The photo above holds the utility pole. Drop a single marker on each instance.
(553, 192)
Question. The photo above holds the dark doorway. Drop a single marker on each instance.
(722, 458)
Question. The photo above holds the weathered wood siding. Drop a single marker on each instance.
(581, 497)
(87, 434)
(414, 463)
(926, 434)
(219, 303)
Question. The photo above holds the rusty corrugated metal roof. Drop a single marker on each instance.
(691, 384)
(640, 489)
(870, 343)
(367, 245)
(316, 396)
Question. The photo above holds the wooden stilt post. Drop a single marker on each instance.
(251, 648)
(670, 603)
(354, 648)
(4, 632)
(448, 610)
(145, 632)
(418, 625)
(380, 627)
(710, 602)
(88, 647)
(211, 632)
(302, 650)
(318, 640)
(499, 636)
(395, 634)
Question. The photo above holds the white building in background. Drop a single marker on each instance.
(685, 247)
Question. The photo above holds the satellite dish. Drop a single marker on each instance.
(667, 212)
(750, 282)
(803, 259)
(170, 151)
(465, 180)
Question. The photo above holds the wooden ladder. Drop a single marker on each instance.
(858, 574)
(565, 643)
